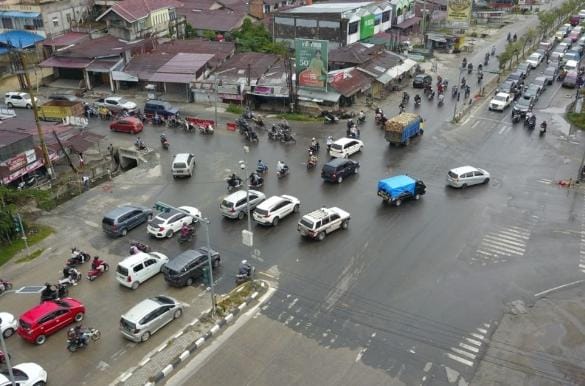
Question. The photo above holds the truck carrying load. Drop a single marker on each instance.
(399, 188)
(401, 128)
(57, 110)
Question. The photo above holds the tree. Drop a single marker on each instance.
(209, 35)
(256, 38)
(189, 31)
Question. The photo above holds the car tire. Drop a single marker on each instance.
(345, 224)
(9, 105)
(28, 106)
(189, 282)
(40, 383)
(144, 337)
(321, 236)
(486, 180)
(169, 234)
(463, 186)
(135, 285)
(417, 196)
(177, 314)
(241, 215)
(296, 208)
(8, 332)
(275, 221)
(41, 339)
(339, 179)
(346, 155)
(215, 263)
(124, 232)
(398, 202)
(79, 317)
(356, 170)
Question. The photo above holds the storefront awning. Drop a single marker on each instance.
(19, 14)
(172, 78)
(408, 22)
(319, 96)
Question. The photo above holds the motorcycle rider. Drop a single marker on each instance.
(49, 292)
(312, 158)
(349, 123)
(417, 99)
(234, 180)
(134, 249)
(329, 142)
(245, 268)
(185, 231)
(255, 179)
(543, 127)
(315, 145)
(261, 166)
(79, 335)
(163, 139)
(361, 116)
(281, 168)
(493, 50)
(99, 264)
(139, 144)
(401, 107)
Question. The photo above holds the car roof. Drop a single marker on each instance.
(181, 157)
(572, 63)
(129, 119)
(134, 259)
(236, 196)
(344, 140)
(123, 209)
(137, 312)
(463, 169)
(270, 202)
(338, 161)
(45, 307)
(185, 257)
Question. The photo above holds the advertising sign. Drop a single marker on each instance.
(367, 26)
(459, 10)
(311, 58)
(16, 163)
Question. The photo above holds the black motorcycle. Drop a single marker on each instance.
(78, 257)
(233, 185)
(256, 183)
(75, 343)
(245, 275)
(54, 292)
(516, 116)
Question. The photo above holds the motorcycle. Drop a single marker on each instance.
(329, 118)
(469, 68)
(27, 182)
(257, 119)
(257, 183)
(542, 128)
(243, 277)
(416, 101)
(233, 185)
(405, 98)
(283, 173)
(454, 91)
(441, 98)
(140, 246)
(78, 257)
(164, 142)
(74, 344)
(251, 136)
(5, 286)
(431, 95)
(287, 137)
(206, 129)
(516, 116)
(95, 273)
(312, 161)
(531, 124)
(59, 292)
(185, 237)
(486, 59)
(315, 148)
(71, 277)
(361, 119)
(262, 169)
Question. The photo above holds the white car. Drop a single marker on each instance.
(465, 176)
(8, 324)
(18, 99)
(275, 208)
(136, 269)
(25, 374)
(320, 222)
(116, 103)
(534, 59)
(344, 147)
(500, 101)
(165, 224)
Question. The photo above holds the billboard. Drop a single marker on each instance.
(367, 26)
(459, 10)
(311, 63)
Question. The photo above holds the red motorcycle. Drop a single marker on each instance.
(3, 358)
(94, 273)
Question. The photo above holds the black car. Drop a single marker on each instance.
(509, 87)
(551, 74)
(189, 265)
(64, 97)
(422, 81)
(524, 104)
(339, 168)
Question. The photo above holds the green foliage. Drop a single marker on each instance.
(189, 31)
(256, 38)
(235, 109)
(209, 35)
(577, 119)
(36, 233)
(10, 200)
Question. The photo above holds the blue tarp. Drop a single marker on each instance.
(20, 39)
(394, 186)
(19, 14)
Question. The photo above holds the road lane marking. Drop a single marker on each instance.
(475, 124)
(473, 341)
(468, 347)
(464, 353)
(558, 288)
(507, 242)
(460, 360)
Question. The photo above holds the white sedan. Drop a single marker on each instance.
(275, 208)
(534, 59)
(344, 147)
(8, 324)
(165, 224)
(25, 374)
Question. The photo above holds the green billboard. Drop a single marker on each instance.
(367, 26)
(311, 63)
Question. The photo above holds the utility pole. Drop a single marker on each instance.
(215, 85)
(19, 67)
(7, 358)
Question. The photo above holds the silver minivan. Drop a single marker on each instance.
(183, 165)
(234, 205)
(149, 316)
(465, 176)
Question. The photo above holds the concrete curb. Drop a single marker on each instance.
(193, 347)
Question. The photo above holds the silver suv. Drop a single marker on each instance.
(149, 316)
(234, 205)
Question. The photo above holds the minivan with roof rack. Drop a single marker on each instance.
(184, 269)
(120, 220)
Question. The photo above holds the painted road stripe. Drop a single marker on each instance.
(485, 253)
(505, 251)
(464, 353)
(167, 370)
(511, 233)
(460, 360)
(515, 239)
(508, 243)
(520, 230)
(468, 347)
(495, 248)
(486, 325)
(184, 355)
(473, 341)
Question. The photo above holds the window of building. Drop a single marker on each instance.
(7, 23)
(385, 16)
(266, 8)
(55, 21)
(353, 28)
(276, 6)
(377, 19)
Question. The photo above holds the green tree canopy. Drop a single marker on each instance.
(256, 38)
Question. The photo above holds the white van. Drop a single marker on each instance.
(136, 269)
(183, 165)
(572, 65)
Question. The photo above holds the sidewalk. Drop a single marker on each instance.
(540, 344)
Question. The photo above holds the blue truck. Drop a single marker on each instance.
(399, 188)
(401, 128)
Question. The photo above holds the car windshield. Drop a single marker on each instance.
(549, 71)
(452, 175)
(524, 102)
(127, 325)
(534, 57)
(24, 324)
(162, 300)
(500, 98)
(226, 204)
(261, 212)
(307, 223)
(336, 146)
(180, 165)
(157, 221)
(328, 169)
(122, 101)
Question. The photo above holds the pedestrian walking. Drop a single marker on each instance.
(85, 181)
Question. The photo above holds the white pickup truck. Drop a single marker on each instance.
(116, 104)
(501, 101)
(319, 223)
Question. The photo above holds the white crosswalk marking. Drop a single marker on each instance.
(506, 242)
(468, 349)
(582, 244)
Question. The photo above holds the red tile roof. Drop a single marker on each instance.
(66, 39)
(133, 10)
(353, 82)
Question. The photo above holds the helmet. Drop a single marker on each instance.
(244, 261)
(313, 139)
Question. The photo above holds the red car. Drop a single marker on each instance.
(49, 317)
(127, 125)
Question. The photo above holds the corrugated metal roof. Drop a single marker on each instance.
(353, 82)
(64, 62)
(103, 65)
(172, 78)
(66, 39)
(185, 63)
(133, 10)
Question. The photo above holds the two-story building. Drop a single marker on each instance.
(261, 8)
(339, 23)
(43, 17)
(132, 20)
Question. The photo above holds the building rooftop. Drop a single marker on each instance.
(351, 83)
(19, 39)
(328, 7)
(219, 20)
(66, 39)
(133, 10)
(356, 53)
(220, 50)
(181, 68)
(8, 137)
(381, 63)
(104, 46)
(240, 66)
